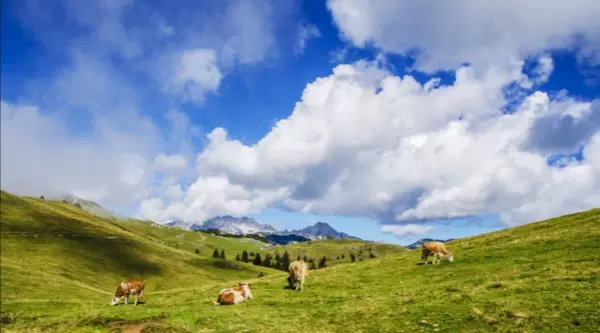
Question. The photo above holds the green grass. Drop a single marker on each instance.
(542, 277)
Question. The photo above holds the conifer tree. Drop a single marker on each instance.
(257, 260)
(322, 262)
(285, 261)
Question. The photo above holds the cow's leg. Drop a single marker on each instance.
(136, 299)
(302, 285)
(126, 299)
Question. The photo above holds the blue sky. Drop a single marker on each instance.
(390, 122)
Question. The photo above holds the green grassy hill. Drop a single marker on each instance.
(542, 277)
(337, 251)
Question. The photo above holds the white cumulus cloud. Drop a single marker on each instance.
(364, 142)
(448, 33)
(407, 229)
(195, 73)
(170, 163)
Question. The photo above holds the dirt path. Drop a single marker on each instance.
(136, 328)
(127, 328)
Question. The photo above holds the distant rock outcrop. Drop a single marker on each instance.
(320, 230)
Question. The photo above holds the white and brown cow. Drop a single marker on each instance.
(437, 250)
(298, 272)
(135, 287)
(230, 296)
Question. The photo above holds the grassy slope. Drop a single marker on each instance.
(74, 254)
(190, 240)
(334, 249)
(541, 277)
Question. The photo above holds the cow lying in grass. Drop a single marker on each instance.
(437, 250)
(230, 296)
(135, 287)
(298, 271)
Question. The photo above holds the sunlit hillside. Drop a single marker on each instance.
(60, 266)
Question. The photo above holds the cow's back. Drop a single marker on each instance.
(298, 269)
(434, 247)
(128, 286)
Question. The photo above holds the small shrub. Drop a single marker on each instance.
(496, 285)
(197, 251)
(7, 318)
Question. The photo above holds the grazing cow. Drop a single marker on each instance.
(437, 250)
(298, 272)
(135, 287)
(230, 296)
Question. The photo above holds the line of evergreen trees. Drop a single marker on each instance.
(283, 262)
(221, 255)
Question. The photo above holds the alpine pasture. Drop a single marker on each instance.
(60, 267)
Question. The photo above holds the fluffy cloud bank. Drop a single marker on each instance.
(364, 142)
(447, 34)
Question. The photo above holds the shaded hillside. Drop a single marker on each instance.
(73, 253)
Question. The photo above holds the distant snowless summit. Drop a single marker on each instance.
(320, 230)
(247, 225)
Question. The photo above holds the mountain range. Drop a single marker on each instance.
(228, 224)
(247, 225)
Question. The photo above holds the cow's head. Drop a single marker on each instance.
(114, 300)
(246, 287)
(450, 257)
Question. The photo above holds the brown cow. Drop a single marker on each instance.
(135, 287)
(230, 296)
(298, 272)
(437, 250)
